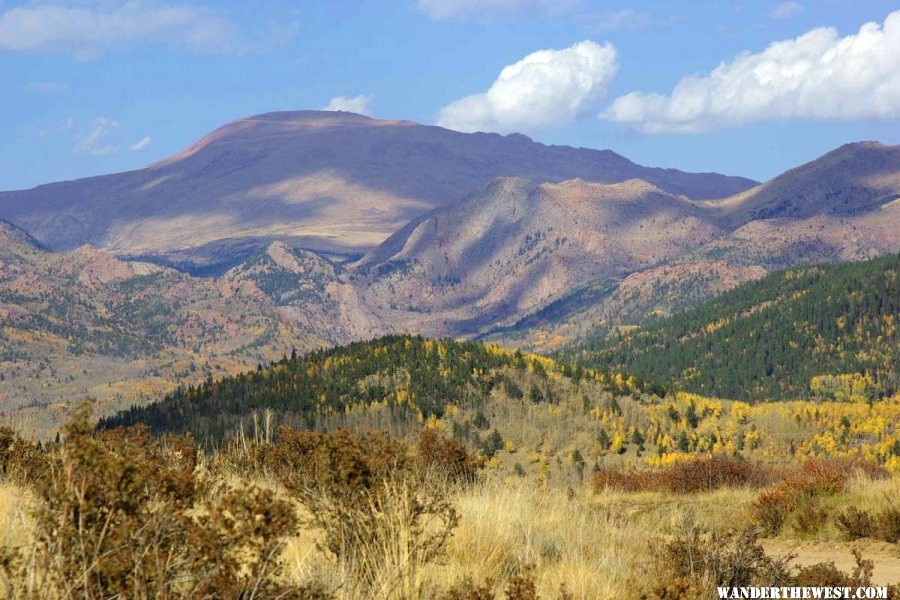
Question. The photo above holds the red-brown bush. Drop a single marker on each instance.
(800, 490)
(692, 476)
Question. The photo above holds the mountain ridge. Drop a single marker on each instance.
(299, 176)
(625, 235)
(810, 331)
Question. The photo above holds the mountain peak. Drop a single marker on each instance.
(323, 180)
(848, 179)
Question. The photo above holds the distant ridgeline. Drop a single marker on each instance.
(409, 376)
(826, 331)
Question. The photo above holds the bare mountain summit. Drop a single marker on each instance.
(845, 181)
(322, 180)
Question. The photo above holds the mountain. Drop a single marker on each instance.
(539, 265)
(840, 207)
(525, 264)
(825, 331)
(328, 181)
(310, 291)
(515, 244)
(84, 323)
(853, 178)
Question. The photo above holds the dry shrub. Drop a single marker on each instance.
(888, 525)
(800, 492)
(690, 476)
(855, 523)
(519, 587)
(20, 460)
(446, 458)
(675, 589)
(810, 516)
(771, 509)
(123, 515)
(828, 575)
(469, 590)
(622, 480)
(695, 562)
(383, 517)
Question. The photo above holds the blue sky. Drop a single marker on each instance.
(99, 86)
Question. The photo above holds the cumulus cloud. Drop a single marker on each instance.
(547, 87)
(140, 144)
(88, 29)
(447, 10)
(786, 10)
(818, 75)
(359, 104)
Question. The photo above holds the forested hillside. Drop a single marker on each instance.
(394, 380)
(826, 332)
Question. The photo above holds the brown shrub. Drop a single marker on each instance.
(675, 589)
(468, 590)
(884, 525)
(827, 575)
(369, 495)
(855, 523)
(732, 558)
(888, 525)
(622, 480)
(694, 563)
(21, 460)
(691, 476)
(798, 494)
(447, 458)
(125, 516)
(519, 587)
(810, 516)
(770, 509)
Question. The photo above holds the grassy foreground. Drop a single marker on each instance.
(341, 515)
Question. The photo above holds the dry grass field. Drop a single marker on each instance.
(354, 516)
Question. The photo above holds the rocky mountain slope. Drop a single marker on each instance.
(539, 265)
(515, 245)
(846, 181)
(84, 323)
(310, 291)
(322, 180)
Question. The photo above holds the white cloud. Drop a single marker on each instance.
(101, 138)
(46, 88)
(140, 144)
(786, 10)
(89, 28)
(359, 104)
(447, 10)
(547, 87)
(818, 75)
